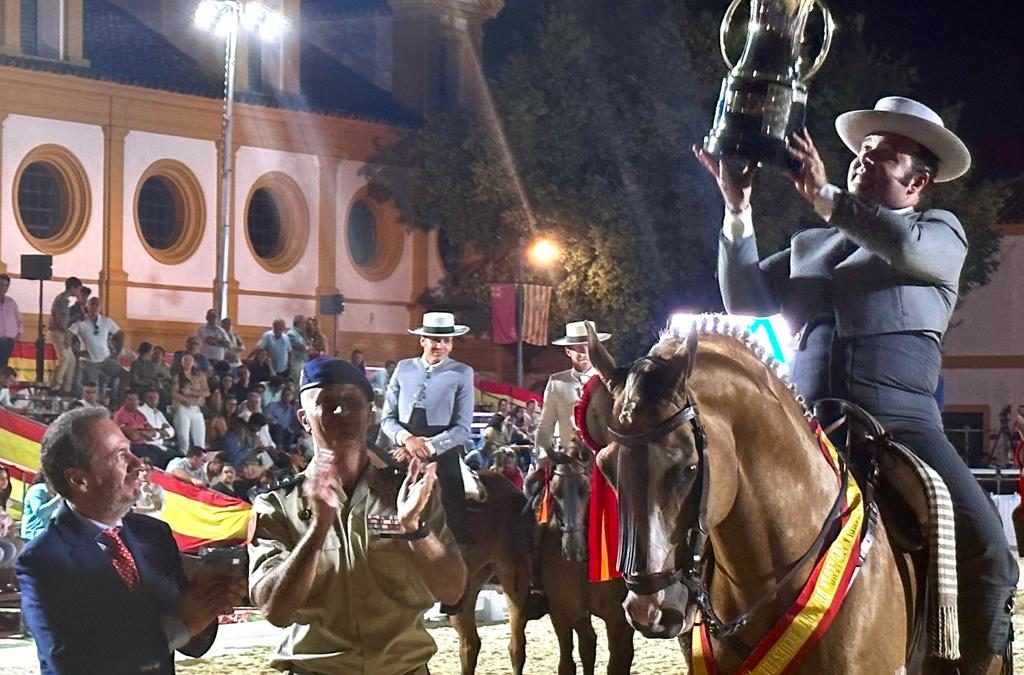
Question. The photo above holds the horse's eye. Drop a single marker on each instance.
(691, 469)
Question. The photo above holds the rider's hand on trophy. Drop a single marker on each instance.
(735, 180)
(415, 492)
(810, 177)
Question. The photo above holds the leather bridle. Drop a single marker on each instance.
(693, 574)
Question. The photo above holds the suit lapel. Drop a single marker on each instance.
(83, 547)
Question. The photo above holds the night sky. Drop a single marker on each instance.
(968, 51)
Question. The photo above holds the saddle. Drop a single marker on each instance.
(916, 508)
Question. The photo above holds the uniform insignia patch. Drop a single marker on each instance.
(384, 525)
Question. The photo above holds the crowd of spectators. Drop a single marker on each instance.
(213, 413)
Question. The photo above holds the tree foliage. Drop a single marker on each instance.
(596, 104)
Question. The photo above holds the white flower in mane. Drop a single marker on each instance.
(726, 326)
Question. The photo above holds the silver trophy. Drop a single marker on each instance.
(764, 97)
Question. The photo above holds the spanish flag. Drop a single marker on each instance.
(23, 360)
(197, 516)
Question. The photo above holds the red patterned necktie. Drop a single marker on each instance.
(124, 563)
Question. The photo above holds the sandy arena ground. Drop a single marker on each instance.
(653, 657)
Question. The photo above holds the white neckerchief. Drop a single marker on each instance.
(431, 367)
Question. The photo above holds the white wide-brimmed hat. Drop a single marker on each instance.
(439, 324)
(576, 334)
(916, 121)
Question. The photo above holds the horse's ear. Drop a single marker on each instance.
(602, 360)
(689, 348)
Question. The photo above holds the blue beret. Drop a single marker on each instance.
(328, 370)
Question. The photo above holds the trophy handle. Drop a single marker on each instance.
(723, 31)
(830, 27)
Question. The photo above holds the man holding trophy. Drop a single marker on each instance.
(873, 290)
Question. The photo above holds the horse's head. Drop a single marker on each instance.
(656, 463)
(570, 488)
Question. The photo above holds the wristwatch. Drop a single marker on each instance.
(422, 532)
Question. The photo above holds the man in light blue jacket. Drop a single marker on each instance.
(872, 293)
(428, 411)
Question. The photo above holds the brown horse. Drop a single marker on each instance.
(722, 454)
(502, 531)
(572, 598)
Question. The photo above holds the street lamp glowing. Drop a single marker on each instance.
(544, 252)
(206, 14)
(227, 18)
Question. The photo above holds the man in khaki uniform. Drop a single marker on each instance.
(352, 558)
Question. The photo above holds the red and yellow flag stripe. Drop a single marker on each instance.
(197, 516)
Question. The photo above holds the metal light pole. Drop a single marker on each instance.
(226, 18)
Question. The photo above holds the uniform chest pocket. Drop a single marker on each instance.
(392, 567)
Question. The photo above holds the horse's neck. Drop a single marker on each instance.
(784, 491)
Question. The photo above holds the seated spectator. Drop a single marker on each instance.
(253, 473)
(499, 415)
(530, 419)
(230, 407)
(304, 444)
(236, 444)
(225, 483)
(282, 418)
(138, 431)
(151, 495)
(8, 379)
(164, 378)
(483, 457)
(40, 505)
(216, 424)
(242, 384)
(272, 393)
(505, 464)
(142, 374)
(260, 368)
(155, 417)
(227, 385)
(513, 434)
(252, 405)
(9, 543)
(90, 396)
(190, 467)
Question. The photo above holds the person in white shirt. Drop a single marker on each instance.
(236, 347)
(95, 332)
(156, 419)
(564, 389)
(8, 378)
(253, 404)
(213, 340)
(190, 467)
(90, 396)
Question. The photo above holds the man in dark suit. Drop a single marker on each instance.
(103, 590)
(872, 294)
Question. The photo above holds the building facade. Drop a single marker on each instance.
(983, 353)
(110, 142)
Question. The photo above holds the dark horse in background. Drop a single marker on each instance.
(502, 530)
(768, 491)
(572, 597)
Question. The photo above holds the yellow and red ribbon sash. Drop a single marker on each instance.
(802, 626)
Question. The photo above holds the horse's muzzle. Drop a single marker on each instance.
(660, 615)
